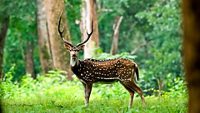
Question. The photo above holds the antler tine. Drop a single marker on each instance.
(61, 32)
(89, 35)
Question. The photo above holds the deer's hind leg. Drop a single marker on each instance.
(131, 94)
(131, 87)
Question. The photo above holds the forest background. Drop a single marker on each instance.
(148, 32)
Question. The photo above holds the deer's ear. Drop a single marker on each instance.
(81, 47)
(67, 46)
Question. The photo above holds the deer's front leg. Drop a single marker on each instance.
(88, 89)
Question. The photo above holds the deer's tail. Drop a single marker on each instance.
(136, 70)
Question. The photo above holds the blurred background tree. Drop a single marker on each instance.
(43, 37)
(89, 20)
(60, 57)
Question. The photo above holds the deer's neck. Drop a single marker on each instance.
(75, 66)
(74, 62)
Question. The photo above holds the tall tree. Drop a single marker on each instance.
(88, 17)
(191, 44)
(29, 59)
(43, 39)
(3, 30)
(116, 27)
(59, 54)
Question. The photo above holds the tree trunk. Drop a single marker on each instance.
(116, 26)
(160, 86)
(88, 17)
(191, 47)
(43, 39)
(59, 54)
(29, 59)
(3, 31)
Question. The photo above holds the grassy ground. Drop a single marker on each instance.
(154, 105)
(52, 95)
(58, 101)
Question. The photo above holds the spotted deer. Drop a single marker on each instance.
(90, 71)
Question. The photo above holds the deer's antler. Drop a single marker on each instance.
(89, 35)
(61, 32)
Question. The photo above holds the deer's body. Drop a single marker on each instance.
(90, 71)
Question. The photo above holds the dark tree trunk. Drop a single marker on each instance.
(43, 38)
(191, 47)
(29, 59)
(116, 27)
(3, 31)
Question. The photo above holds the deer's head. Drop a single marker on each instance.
(71, 48)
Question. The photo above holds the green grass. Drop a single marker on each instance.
(56, 95)
(113, 105)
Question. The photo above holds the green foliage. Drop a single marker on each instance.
(130, 35)
(52, 93)
(22, 29)
(164, 56)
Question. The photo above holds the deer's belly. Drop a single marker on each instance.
(106, 81)
(105, 77)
